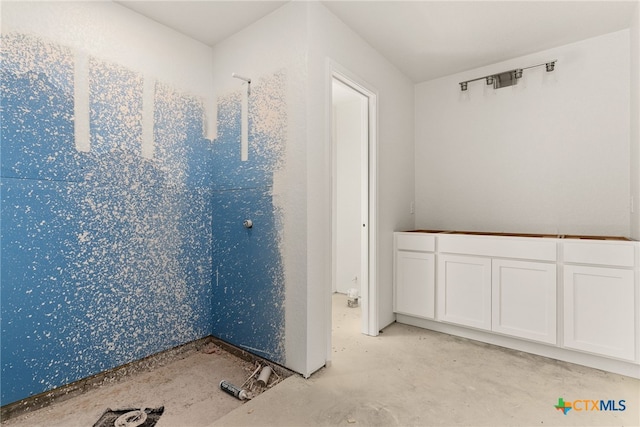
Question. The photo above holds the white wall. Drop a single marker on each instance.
(348, 124)
(117, 34)
(635, 122)
(550, 155)
(330, 38)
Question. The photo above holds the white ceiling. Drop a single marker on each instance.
(208, 21)
(424, 39)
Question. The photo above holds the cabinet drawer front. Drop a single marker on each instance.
(615, 254)
(526, 248)
(415, 242)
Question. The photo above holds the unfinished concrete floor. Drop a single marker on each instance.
(405, 377)
(187, 388)
(413, 377)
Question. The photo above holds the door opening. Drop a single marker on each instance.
(349, 138)
(353, 214)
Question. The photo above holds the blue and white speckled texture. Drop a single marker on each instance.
(108, 256)
(248, 287)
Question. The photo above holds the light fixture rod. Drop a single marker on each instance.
(463, 84)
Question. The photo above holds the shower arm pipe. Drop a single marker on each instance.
(246, 79)
(238, 76)
(524, 68)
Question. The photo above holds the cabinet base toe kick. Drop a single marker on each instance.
(621, 367)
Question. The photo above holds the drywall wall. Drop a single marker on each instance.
(550, 155)
(635, 122)
(348, 141)
(105, 183)
(296, 40)
(330, 39)
(272, 52)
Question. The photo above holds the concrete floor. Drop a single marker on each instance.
(187, 388)
(413, 377)
(405, 377)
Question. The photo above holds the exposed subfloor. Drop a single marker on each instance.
(406, 376)
(187, 388)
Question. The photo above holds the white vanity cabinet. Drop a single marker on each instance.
(600, 297)
(570, 298)
(510, 297)
(500, 284)
(414, 290)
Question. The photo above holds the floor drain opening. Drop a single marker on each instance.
(144, 417)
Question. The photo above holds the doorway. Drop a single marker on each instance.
(353, 133)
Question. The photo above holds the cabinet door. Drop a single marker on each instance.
(524, 299)
(464, 290)
(599, 305)
(415, 284)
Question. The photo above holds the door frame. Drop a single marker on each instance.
(369, 286)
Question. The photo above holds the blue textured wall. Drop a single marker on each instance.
(106, 256)
(248, 286)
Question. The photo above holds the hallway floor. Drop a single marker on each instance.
(405, 377)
